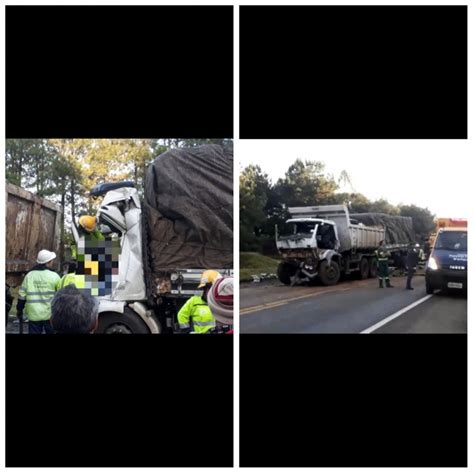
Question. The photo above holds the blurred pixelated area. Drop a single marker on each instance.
(98, 261)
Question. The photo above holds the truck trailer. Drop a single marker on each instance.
(32, 224)
(326, 241)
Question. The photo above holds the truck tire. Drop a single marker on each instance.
(372, 268)
(429, 288)
(117, 323)
(364, 269)
(285, 271)
(329, 273)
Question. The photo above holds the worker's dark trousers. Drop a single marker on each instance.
(410, 274)
(36, 327)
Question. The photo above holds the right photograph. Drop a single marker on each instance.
(347, 239)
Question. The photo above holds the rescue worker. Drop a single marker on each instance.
(195, 315)
(87, 227)
(412, 262)
(382, 255)
(36, 293)
(71, 278)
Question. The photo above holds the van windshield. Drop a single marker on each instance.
(452, 240)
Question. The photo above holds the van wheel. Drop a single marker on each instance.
(373, 268)
(285, 271)
(329, 273)
(364, 269)
(117, 323)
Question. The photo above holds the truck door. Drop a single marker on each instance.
(326, 236)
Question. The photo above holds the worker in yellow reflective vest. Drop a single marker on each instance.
(71, 278)
(36, 293)
(196, 316)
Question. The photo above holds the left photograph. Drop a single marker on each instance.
(119, 236)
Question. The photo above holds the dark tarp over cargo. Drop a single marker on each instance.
(188, 210)
(398, 229)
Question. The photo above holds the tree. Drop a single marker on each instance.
(254, 185)
(305, 184)
(423, 220)
(357, 202)
(20, 155)
(382, 205)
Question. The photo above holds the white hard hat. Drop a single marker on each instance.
(45, 256)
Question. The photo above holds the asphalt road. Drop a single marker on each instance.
(350, 307)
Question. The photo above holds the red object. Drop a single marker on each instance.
(230, 332)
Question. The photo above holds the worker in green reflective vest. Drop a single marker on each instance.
(36, 292)
(382, 256)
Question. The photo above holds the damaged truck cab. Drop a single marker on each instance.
(326, 242)
(167, 240)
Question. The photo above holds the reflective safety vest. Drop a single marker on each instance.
(38, 289)
(71, 279)
(196, 312)
(381, 254)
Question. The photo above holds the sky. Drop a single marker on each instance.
(429, 173)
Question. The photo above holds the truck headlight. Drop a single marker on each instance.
(432, 264)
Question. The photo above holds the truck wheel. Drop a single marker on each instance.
(364, 269)
(329, 273)
(373, 268)
(285, 271)
(126, 323)
(429, 288)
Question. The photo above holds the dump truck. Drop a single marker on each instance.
(32, 223)
(326, 241)
(181, 227)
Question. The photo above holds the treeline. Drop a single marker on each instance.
(65, 170)
(264, 204)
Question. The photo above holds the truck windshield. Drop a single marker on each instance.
(452, 240)
(304, 228)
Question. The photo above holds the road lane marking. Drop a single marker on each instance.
(261, 307)
(395, 315)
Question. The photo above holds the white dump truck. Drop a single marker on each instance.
(182, 227)
(326, 241)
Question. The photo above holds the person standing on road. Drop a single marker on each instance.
(412, 262)
(36, 293)
(381, 254)
(196, 315)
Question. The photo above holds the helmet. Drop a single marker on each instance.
(208, 278)
(45, 256)
(88, 222)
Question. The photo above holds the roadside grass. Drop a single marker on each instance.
(252, 263)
